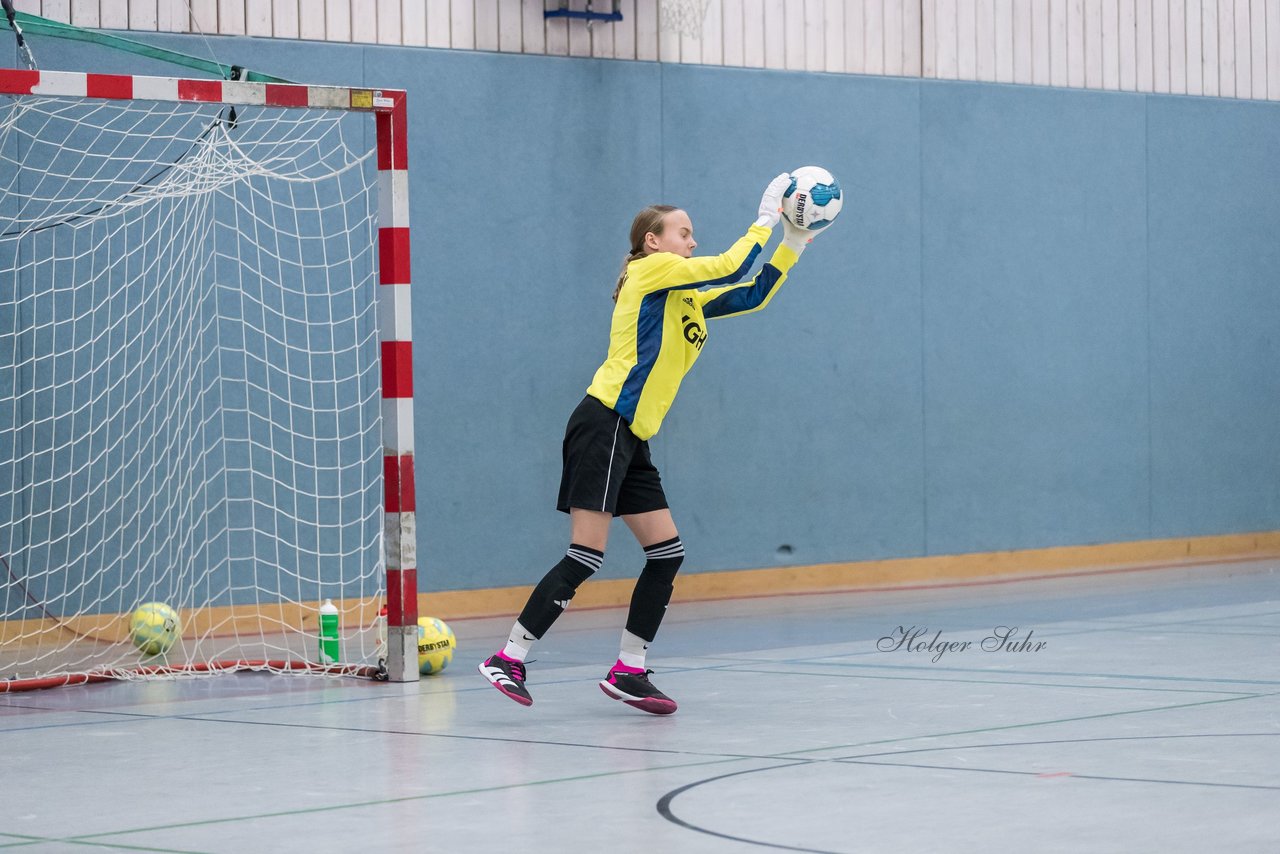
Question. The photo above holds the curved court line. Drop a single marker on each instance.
(664, 810)
(664, 803)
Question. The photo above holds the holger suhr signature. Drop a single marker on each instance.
(918, 639)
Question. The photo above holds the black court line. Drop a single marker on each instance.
(665, 810)
(1055, 741)
(1059, 674)
(84, 838)
(1009, 682)
(1069, 776)
(1050, 722)
(719, 756)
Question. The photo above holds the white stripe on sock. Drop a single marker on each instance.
(587, 559)
(676, 550)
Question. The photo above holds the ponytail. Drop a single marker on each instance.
(648, 221)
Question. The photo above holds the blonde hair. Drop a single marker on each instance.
(649, 221)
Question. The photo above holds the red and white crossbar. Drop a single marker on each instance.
(400, 549)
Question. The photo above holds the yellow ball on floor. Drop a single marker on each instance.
(436, 644)
(154, 627)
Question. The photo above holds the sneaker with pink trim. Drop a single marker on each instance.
(631, 685)
(507, 675)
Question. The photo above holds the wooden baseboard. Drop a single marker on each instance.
(900, 573)
(933, 571)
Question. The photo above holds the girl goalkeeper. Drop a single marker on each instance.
(663, 299)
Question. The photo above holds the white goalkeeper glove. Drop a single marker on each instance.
(771, 201)
(797, 238)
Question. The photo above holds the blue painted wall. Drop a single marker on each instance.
(1046, 317)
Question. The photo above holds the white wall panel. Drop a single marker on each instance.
(1225, 48)
(462, 24)
(1093, 44)
(1160, 45)
(873, 37)
(485, 21)
(1224, 69)
(337, 20)
(1273, 49)
(1002, 19)
(1178, 47)
(257, 18)
(946, 46)
(1258, 47)
(1145, 61)
(1058, 42)
(646, 31)
(231, 19)
(833, 36)
(364, 21)
(579, 32)
(1022, 42)
(713, 33)
(1209, 46)
(793, 29)
(1243, 47)
(86, 13)
(142, 14)
(912, 14)
(533, 32)
(1075, 43)
(1195, 67)
(855, 45)
(1040, 52)
(967, 39)
(113, 14)
(1110, 34)
(895, 38)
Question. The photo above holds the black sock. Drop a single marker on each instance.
(556, 589)
(654, 587)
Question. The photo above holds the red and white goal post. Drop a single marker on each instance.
(206, 378)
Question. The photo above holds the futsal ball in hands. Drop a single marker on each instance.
(154, 627)
(813, 199)
(436, 644)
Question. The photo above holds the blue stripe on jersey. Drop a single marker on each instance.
(648, 344)
(744, 299)
(649, 335)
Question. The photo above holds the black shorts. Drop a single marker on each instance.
(607, 467)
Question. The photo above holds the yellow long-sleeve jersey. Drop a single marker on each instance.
(659, 322)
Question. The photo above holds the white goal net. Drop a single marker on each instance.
(189, 385)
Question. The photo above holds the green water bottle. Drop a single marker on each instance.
(328, 633)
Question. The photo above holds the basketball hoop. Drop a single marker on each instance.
(683, 17)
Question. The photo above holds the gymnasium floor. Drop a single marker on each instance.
(1149, 720)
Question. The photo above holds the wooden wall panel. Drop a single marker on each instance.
(1225, 48)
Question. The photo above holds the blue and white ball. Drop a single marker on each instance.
(813, 199)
